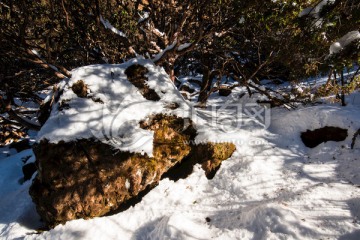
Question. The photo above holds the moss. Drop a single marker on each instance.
(151, 165)
(80, 89)
(136, 75)
(86, 178)
(211, 155)
(222, 150)
(136, 71)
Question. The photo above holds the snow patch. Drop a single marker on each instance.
(168, 48)
(108, 25)
(344, 41)
(127, 184)
(184, 46)
(315, 11)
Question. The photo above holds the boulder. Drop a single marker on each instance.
(87, 178)
(106, 164)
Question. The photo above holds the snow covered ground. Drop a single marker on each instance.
(273, 187)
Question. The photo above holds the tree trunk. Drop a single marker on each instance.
(342, 90)
(204, 86)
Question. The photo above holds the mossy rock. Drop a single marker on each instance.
(211, 155)
(87, 178)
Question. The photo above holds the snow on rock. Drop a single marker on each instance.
(344, 41)
(113, 107)
(99, 180)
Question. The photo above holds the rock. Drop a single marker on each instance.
(87, 178)
(97, 157)
(353, 140)
(211, 155)
(313, 138)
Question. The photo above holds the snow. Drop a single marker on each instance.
(108, 25)
(160, 54)
(32, 121)
(184, 46)
(344, 41)
(36, 53)
(242, 20)
(315, 11)
(122, 107)
(273, 187)
(158, 32)
(143, 17)
(39, 56)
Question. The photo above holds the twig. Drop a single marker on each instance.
(7, 121)
(356, 73)
(66, 13)
(23, 121)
